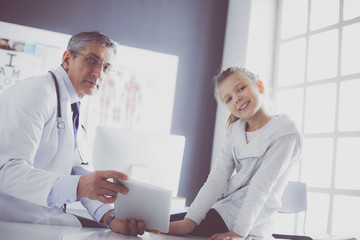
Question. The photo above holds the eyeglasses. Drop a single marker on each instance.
(96, 62)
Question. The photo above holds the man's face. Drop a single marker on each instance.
(86, 69)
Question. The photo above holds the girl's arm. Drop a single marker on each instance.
(209, 193)
(204, 200)
(214, 186)
(182, 227)
(226, 236)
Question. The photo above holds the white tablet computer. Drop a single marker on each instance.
(144, 202)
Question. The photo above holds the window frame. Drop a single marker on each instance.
(332, 191)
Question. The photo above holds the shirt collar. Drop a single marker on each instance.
(72, 92)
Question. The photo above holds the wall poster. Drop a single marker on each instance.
(138, 96)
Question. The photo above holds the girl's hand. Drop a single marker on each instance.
(126, 227)
(226, 236)
(182, 227)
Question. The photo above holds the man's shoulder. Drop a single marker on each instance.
(34, 89)
(42, 83)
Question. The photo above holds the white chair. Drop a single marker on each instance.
(294, 200)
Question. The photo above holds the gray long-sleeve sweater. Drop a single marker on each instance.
(247, 200)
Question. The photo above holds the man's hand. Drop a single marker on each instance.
(182, 227)
(96, 186)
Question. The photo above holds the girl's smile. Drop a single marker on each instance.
(241, 96)
(244, 106)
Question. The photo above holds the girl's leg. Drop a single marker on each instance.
(212, 224)
(177, 216)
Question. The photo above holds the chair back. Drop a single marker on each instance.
(294, 198)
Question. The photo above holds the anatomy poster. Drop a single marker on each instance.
(140, 94)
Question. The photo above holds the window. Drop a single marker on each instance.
(317, 82)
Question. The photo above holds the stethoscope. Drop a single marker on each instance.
(60, 123)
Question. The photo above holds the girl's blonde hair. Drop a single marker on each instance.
(218, 79)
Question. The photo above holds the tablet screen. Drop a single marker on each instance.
(144, 202)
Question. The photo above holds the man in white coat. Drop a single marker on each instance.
(40, 165)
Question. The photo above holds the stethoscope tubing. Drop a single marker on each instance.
(60, 122)
(57, 94)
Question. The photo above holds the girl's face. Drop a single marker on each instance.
(242, 97)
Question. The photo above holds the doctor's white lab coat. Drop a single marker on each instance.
(34, 153)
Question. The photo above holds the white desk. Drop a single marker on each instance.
(21, 231)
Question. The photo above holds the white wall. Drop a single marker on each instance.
(249, 41)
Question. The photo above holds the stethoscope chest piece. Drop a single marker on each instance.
(60, 124)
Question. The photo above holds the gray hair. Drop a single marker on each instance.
(81, 40)
(218, 79)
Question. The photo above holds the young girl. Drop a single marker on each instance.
(261, 148)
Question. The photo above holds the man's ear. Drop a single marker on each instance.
(261, 86)
(66, 60)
